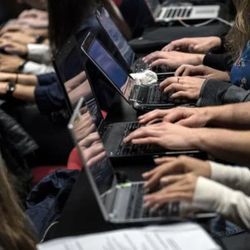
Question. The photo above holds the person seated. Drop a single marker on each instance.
(205, 84)
(200, 186)
(226, 136)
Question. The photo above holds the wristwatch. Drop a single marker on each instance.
(11, 88)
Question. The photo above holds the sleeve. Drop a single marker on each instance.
(36, 68)
(47, 79)
(49, 98)
(39, 53)
(212, 196)
(231, 176)
(215, 92)
(222, 62)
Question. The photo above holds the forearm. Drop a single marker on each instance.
(229, 145)
(235, 116)
(232, 204)
(24, 92)
(232, 176)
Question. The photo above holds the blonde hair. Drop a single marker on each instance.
(240, 32)
(15, 232)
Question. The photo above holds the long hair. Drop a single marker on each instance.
(65, 17)
(240, 32)
(15, 233)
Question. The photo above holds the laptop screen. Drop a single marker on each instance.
(107, 63)
(154, 6)
(70, 70)
(116, 36)
(91, 148)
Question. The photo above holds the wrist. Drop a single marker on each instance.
(199, 59)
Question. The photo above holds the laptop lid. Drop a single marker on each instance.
(109, 67)
(69, 66)
(93, 155)
(116, 36)
(154, 7)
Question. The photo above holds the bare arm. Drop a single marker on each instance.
(229, 145)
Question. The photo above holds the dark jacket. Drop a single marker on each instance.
(16, 145)
(215, 92)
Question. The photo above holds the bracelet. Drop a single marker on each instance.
(11, 89)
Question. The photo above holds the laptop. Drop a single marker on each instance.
(118, 202)
(142, 96)
(132, 63)
(161, 13)
(69, 66)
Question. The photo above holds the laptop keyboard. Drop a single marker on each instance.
(177, 12)
(132, 149)
(156, 96)
(136, 207)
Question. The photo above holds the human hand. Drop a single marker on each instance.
(185, 87)
(33, 13)
(10, 64)
(172, 59)
(19, 37)
(202, 71)
(175, 188)
(195, 44)
(15, 48)
(168, 166)
(3, 87)
(166, 135)
(189, 117)
(33, 22)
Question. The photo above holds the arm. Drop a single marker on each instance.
(214, 92)
(232, 204)
(234, 177)
(229, 145)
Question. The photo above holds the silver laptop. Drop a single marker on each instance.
(118, 202)
(162, 13)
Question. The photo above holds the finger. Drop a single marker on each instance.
(140, 133)
(156, 114)
(154, 56)
(183, 95)
(174, 87)
(160, 62)
(180, 70)
(147, 140)
(161, 200)
(168, 82)
(170, 180)
(174, 116)
(162, 160)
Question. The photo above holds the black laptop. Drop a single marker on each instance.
(142, 96)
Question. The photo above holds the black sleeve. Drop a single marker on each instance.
(222, 62)
(49, 98)
(214, 92)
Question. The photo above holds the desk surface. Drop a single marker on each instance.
(81, 214)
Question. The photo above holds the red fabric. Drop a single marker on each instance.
(39, 172)
(74, 161)
(117, 2)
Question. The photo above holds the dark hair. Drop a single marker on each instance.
(15, 230)
(65, 17)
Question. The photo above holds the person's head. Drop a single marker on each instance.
(240, 33)
(65, 17)
(15, 233)
(38, 4)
